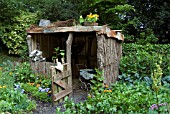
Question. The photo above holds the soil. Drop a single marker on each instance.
(78, 95)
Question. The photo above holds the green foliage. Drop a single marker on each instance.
(11, 100)
(57, 10)
(34, 92)
(9, 9)
(97, 83)
(21, 72)
(153, 15)
(147, 37)
(123, 99)
(14, 101)
(13, 33)
(111, 12)
(156, 77)
(142, 58)
(59, 55)
(89, 18)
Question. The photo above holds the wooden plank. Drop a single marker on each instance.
(62, 94)
(62, 83)
(59, 78)
(64, 74)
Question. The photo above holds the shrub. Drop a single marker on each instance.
(12, 100)
(141, 59)
(13, 33)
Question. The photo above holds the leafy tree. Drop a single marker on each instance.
(154, 15)
(111, 12)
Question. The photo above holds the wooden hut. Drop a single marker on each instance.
(94, 46)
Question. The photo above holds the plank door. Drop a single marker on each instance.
(61, 84)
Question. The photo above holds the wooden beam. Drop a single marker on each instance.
(61, 84)
(68, 58)
(29, 42)
(62, 94)
(68, 49)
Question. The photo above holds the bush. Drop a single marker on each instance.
(22, 75)
(141, 59)
(13, 33)
(12, 100)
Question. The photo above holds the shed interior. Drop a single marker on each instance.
(84, 48)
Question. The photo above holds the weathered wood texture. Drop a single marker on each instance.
(68, 50)
(42, 68)
(91, 49)
(84, 51)
(109, 52)
(83, 48)
(61, 84)
(47, 42)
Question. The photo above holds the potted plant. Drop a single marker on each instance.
(90, 20)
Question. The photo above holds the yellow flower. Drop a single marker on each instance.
(38, 85)
(10, 73)
(2, 86)
(0, 68)
(49, 92)
(90, 15)
(106, 86)
(105, 91)
(109, 91)
(30, 83)
(95, 15)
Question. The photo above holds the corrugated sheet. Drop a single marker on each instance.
(98, 29)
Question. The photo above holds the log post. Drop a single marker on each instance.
(68, 50)
(29, 42)
(68, 57)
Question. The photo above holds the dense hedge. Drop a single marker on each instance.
(141, 59)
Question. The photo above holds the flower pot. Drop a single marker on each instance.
(90, 24)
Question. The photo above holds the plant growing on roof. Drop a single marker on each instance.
(89, 18)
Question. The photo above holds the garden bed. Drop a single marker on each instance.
(78, 95)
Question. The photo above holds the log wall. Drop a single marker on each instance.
(42, 68)
(109, 52)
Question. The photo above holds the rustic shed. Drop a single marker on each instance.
(94, 46)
